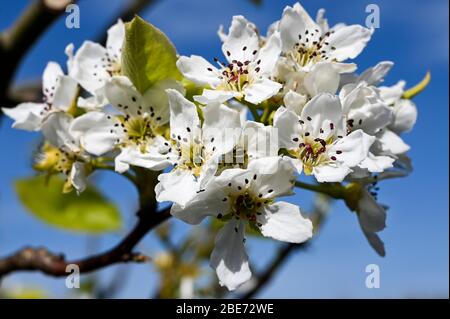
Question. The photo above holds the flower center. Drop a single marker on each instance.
(52, 159)
(138, 131)
(235, 76)
(246, 205)
(311, 48)
(312, 153)
(192, 157)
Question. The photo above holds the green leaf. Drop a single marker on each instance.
(88, 212)
(148, 55)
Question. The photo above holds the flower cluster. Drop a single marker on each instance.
(312, 114)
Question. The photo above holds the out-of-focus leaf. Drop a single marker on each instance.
(148, 55)
(24, 293)
(88, 212)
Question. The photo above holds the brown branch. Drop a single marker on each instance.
(40, 259)
(21, 36)
(32, 93)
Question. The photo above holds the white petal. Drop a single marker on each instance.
(323, 78)
(65, 93)
(321, 21)
(405, 116)
(349, 41)
(78, 176)
(331, 173)
(207, 203)
(261, 90)
(90, 103)
(261, 141)
(294, 101)
(374, 76)
(269, 54)
(241, 41)
(121, 93)
(283, 221)
(364, 106)
(50, 78)
(56, 131)
(320, 111)
(221, 128)
(156, 99)
(214, 96)
(354, 147)
(178, 186)
(114, 42)
(391, 142)
(184, 119)
(377, 164)
(229, 258)
(274, 176)
(26, 116)
(295, 21)
(391, 94)
(150, 159)
(94, 131)
(88, 68)
(287, 125)
(197, 69)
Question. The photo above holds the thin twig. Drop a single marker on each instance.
(40, 259)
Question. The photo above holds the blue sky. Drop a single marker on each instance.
(413, 34)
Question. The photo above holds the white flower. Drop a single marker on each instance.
(59, 92)
(365, 110)
(396, 116)
(197, 148)
(137, 128)
(246, 73)
(247, 196)
(93, 65)
(318, 140)
(307, 43)
(69, 157)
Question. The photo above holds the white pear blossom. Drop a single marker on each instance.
(65, 154)
(245, 75)
(197, 147)
(59, 94)
(136, 128)
(306, 43)
(318, 140)
(93, 65)
(247, 196)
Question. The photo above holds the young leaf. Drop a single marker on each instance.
(88, 212)
(148, 55)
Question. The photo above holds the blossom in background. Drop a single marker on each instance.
(59, 94)
(137, 128)
(197, 147)
(63, 153)
(318, 141)
(243, 197)
(246, 73)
